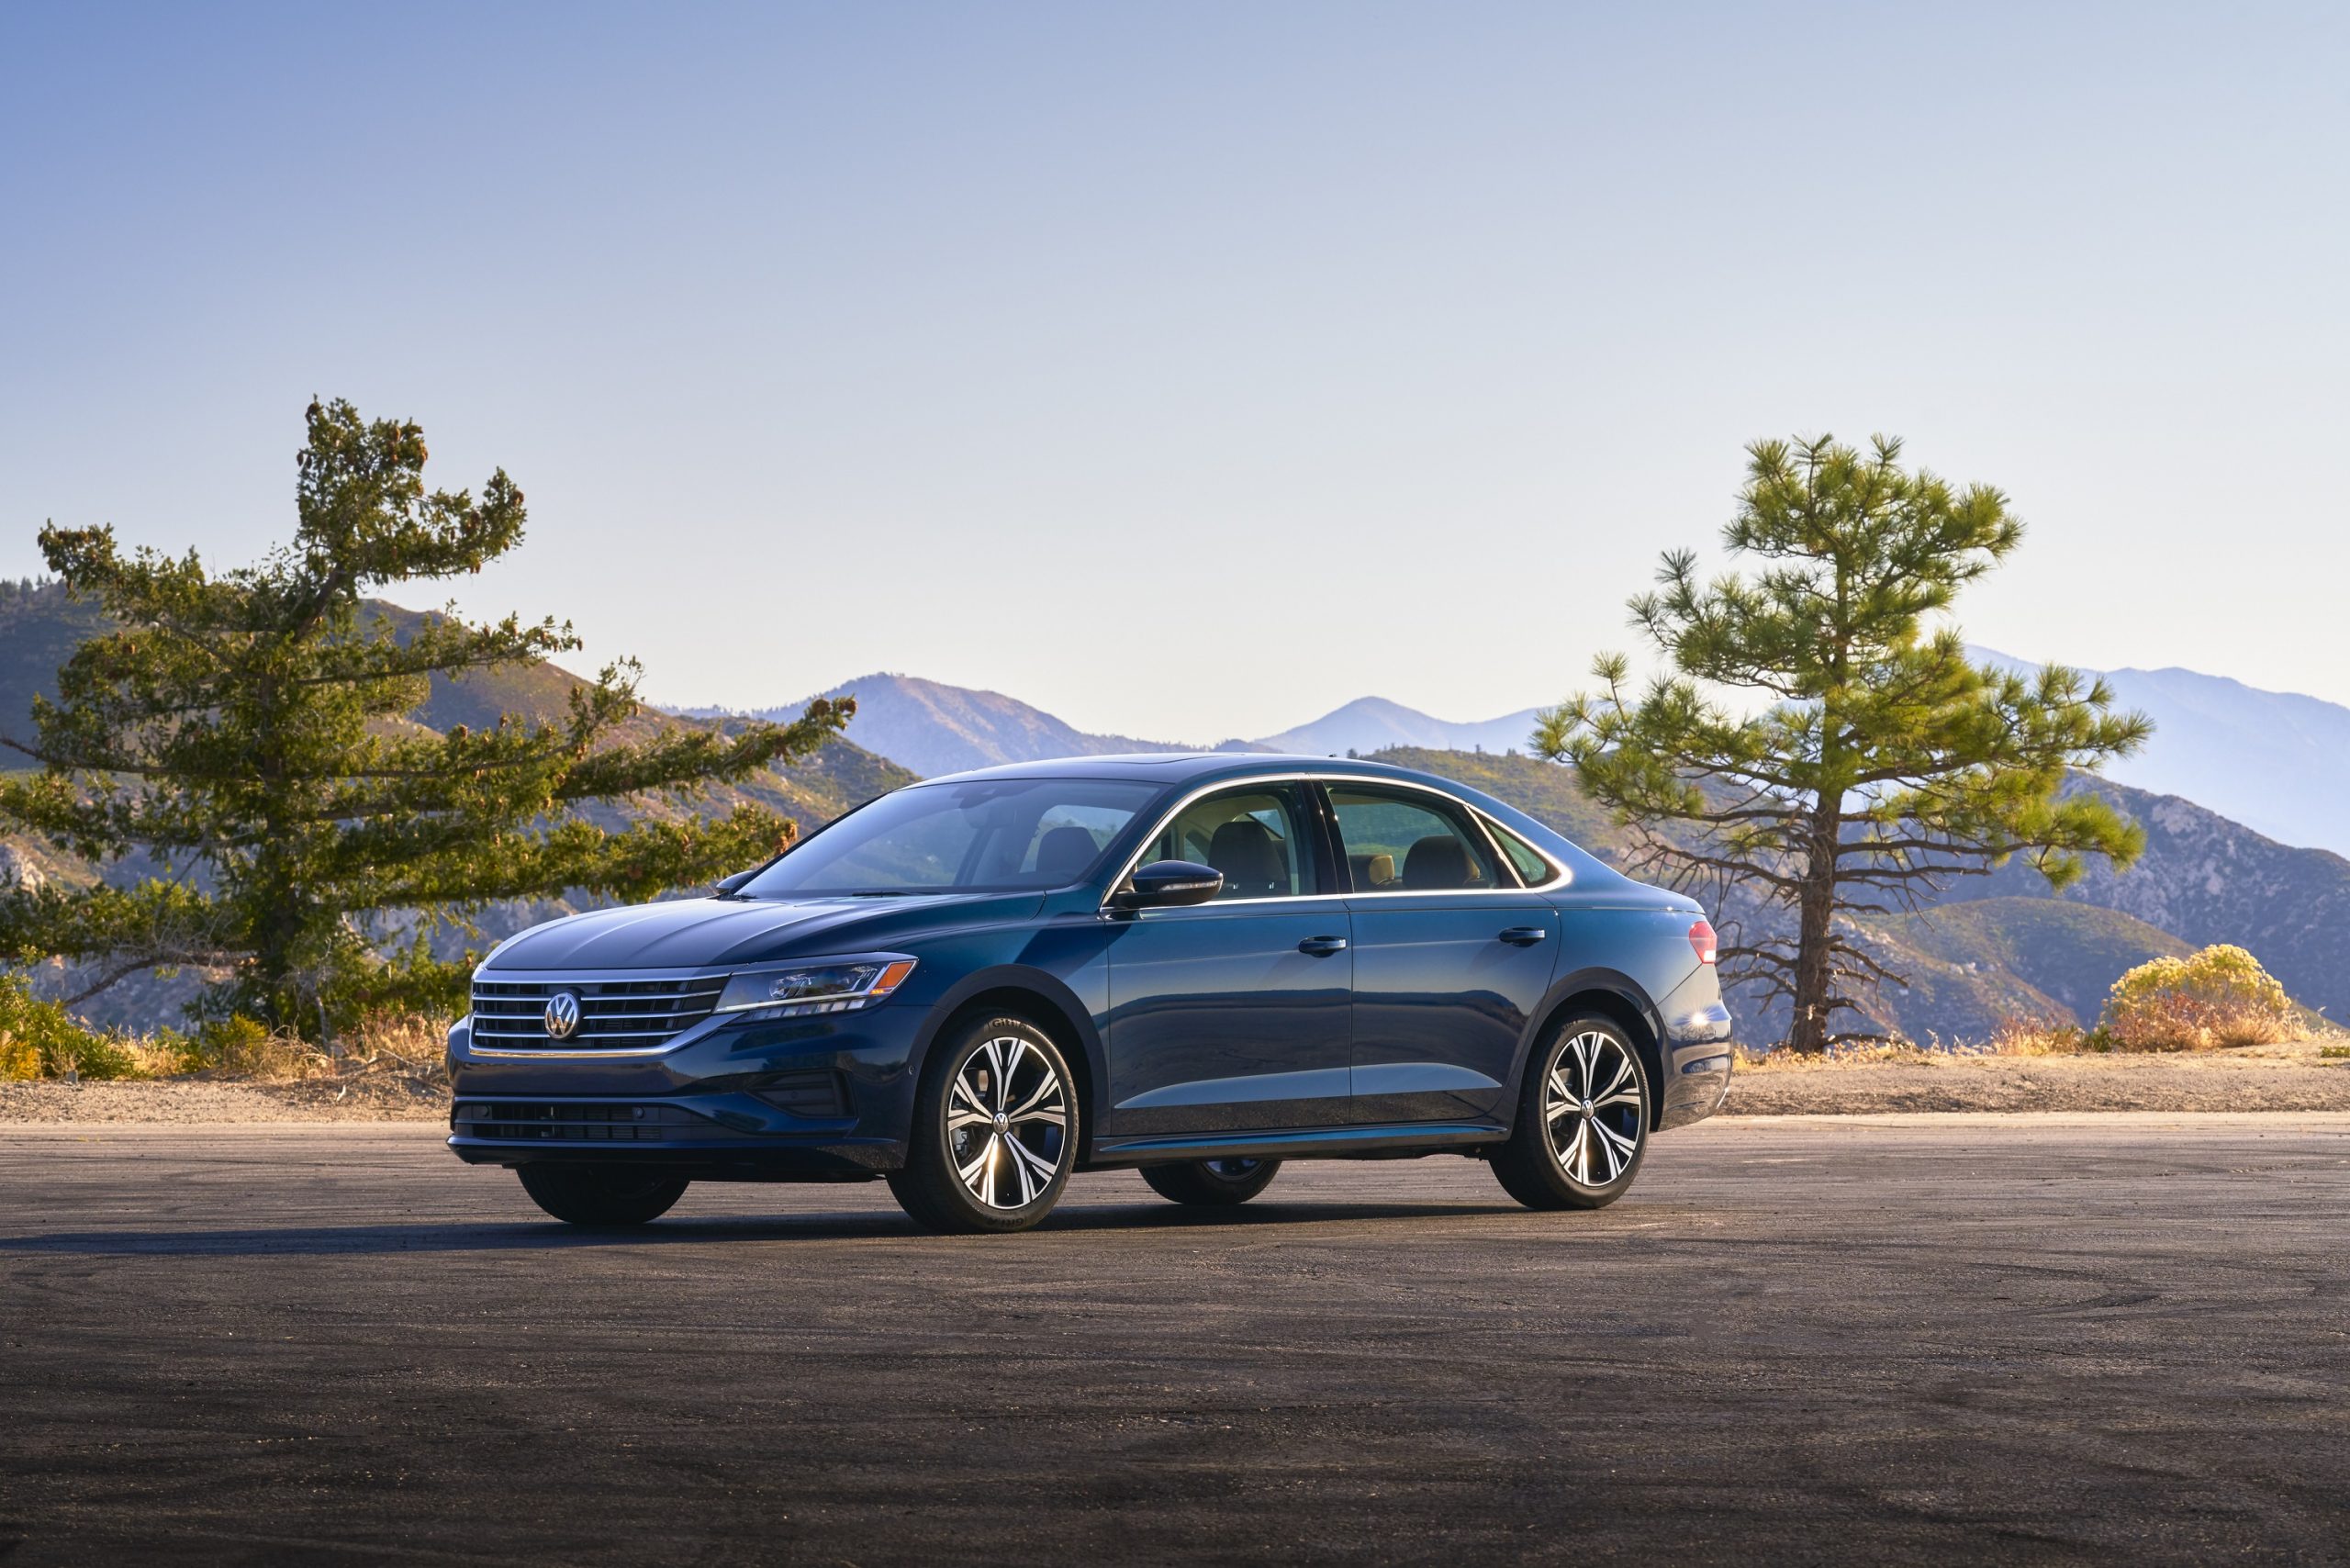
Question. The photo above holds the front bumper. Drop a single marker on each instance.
(826, 1097)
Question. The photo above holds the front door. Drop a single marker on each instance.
(1451, 957)
(1233, 1015)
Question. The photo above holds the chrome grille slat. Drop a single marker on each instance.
(612, 1012)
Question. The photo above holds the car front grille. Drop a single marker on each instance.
(614, 1015)
(520, 1121)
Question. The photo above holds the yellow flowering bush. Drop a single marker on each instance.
(2218, 997)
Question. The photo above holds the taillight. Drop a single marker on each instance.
(1701, 937)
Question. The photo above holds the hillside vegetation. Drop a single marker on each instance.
(40, 626)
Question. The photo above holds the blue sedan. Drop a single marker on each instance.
(1196, 966)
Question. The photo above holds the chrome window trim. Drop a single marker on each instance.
(1167, 819)
(1476, 818)
(1558, 875)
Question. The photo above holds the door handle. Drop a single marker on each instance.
(1322, 947)
(1524, 936)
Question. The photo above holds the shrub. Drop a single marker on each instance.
(2218, 997)
(247, 1047)
(41, 1038)
(19, 1060)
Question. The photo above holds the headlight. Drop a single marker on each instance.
(816, 987)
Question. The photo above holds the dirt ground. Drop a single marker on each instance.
(2258, 1078)
(2292, 1077)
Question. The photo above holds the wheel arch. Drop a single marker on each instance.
(1612, 995)
(1046, 1001)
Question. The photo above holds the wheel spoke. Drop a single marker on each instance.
(977, 1175)
(970, 1095)
(1605, 1142)
(994, 1050)
(1623, 1071)
(1051, 1117)
(958, 1120)
(1578, 1153)
(1027, 1161)
(1049, 1089)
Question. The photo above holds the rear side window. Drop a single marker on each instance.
(1532, 869)
(1409, 843)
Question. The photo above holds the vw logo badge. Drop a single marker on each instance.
(563, 1015)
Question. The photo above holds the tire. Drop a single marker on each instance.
(1212, 1184)
(1582, 1119)
(602, 1197)
(995, 1130)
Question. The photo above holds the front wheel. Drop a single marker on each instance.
(1583, 1120)
(1212, 1184)
(994, 1132)
(602, 1197)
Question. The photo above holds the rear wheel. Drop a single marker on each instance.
(601, 1196)
(1212, 1184)
(1583, 1120)
(994, 1131)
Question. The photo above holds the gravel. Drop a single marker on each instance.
(2261, 1078)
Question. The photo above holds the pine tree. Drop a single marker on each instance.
(248, 740)
(1818, 745)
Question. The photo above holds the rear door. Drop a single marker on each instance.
(1233, 1015)
(1451, 955)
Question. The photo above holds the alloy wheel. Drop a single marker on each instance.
(1592, 1105)
(1007, 1123)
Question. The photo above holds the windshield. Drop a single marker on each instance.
(989, 835)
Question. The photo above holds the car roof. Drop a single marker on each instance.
(1182, 767)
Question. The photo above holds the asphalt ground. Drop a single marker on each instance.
(1977, 1338)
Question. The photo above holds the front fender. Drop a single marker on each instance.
(1081, 1026)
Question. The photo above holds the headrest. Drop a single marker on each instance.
(1249, 855)
(1064, 853)
(1440, 860)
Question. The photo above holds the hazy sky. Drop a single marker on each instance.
(1191, 370)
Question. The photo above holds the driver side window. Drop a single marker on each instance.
(1256, 837)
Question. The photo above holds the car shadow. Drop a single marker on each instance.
(535, 1236)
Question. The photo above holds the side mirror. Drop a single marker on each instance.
(727, 887)
(1165, 884)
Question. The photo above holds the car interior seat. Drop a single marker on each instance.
(1064, 853)
(1251, 858)
(1437, 862)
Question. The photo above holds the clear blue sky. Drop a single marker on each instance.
(1190, 370)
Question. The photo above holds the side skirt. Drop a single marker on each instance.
(1401, 1140)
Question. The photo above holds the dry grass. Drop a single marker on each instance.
(37, 1041)
(2032, 1037)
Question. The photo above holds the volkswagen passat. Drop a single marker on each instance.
(1199, 966)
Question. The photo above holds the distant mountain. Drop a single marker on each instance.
(1373, 724)
(933, 728)
(2272, 760)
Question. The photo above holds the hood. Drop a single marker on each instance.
(695, 933)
